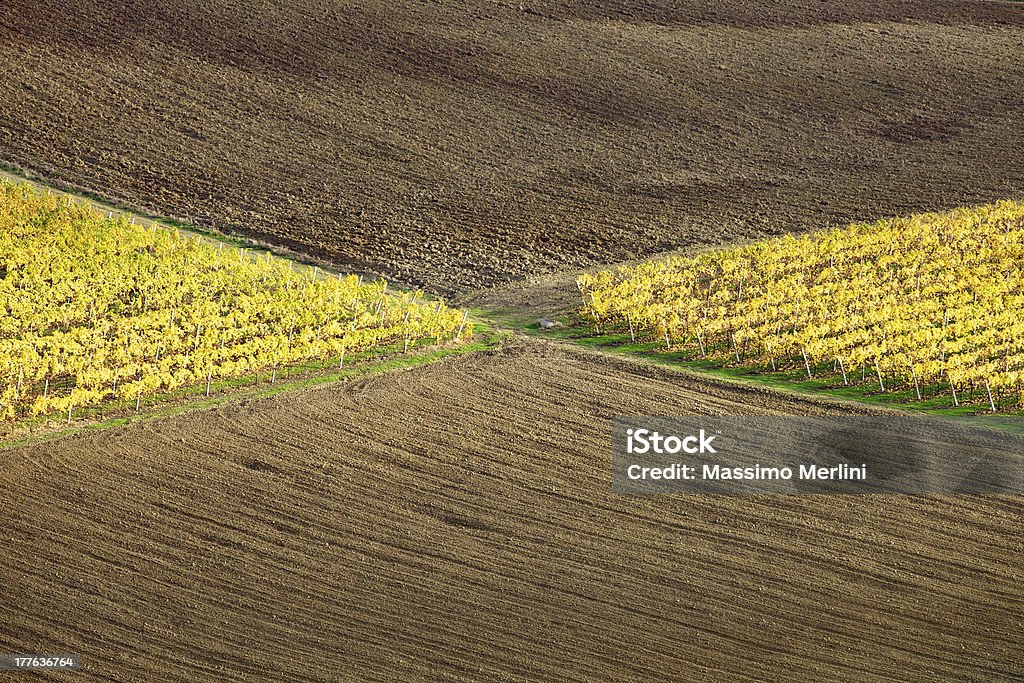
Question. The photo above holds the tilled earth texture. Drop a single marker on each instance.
(455, 523)
(461, 144)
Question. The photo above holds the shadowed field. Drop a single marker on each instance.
(461, 144)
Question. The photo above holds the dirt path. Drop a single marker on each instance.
(455, 522)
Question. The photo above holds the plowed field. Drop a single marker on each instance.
(455, 522)
(461, 144)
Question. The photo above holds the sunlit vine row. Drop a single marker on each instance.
(930, 304)
(93, 308)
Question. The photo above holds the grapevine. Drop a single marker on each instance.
(928, 304)
(95, 308)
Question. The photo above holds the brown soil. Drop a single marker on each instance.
(455, 522)
(462, 144)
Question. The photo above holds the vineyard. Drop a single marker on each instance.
(94, 308)
(931, 305)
